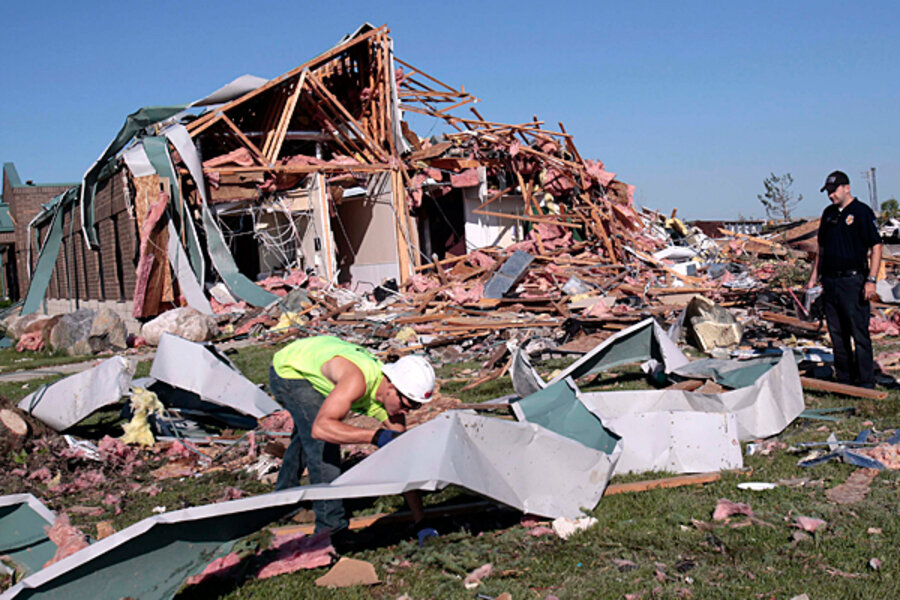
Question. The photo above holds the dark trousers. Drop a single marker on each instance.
(323, 459)
(847, 315)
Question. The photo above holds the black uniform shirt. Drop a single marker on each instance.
(845, 237)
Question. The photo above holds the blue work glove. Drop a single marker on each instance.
(383, 436)
(425, 532)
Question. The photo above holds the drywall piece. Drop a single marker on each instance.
(762, 409)
(23, 519)
(67, 401)
(520, 464)
(557, 408)
(678, 442)
(194, 367)
(512, 271)
(641, 342)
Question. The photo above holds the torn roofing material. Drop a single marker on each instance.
(67, 401)
(23, 536)
(520, 464)
(198, 369)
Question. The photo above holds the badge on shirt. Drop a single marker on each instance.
(849, 220)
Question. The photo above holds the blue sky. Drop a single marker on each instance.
(695, 103)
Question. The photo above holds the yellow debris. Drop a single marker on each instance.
(137, 431)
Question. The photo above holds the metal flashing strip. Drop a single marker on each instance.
(520, 464)
(47, 256)
(193, 367)
(238, 283)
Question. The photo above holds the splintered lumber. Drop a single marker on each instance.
(841, 388)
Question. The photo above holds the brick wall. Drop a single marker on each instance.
(104, 274)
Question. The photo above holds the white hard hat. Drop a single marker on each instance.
(413, 377)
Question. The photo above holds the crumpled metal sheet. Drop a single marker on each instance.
(762, 409)
(520, 464)
(67, 401)
(681, 441)
(23, 519)
(194, 367)
(678, 441)
(641, 342)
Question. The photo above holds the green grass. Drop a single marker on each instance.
(667, 534)
(10, 360)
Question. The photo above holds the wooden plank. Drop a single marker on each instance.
(793, 322)
(285, 120)
(257, 153)
(841, 388)
(666, 482)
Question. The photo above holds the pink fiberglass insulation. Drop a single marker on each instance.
(67, 538)
(297, 551)
(463, 295)
(478, 574)
(240, 157)
(809, 524)
(480, 259)
(726, 508)
(468, 178)
(422, 283)
(277, 421)
(218, 569)
(33, 341)
(42, 474)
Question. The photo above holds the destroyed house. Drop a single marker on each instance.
(316, 171)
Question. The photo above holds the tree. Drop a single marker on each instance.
(778, 198)
(890, 209)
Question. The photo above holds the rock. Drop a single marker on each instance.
(107, 332)
(184, 322)
(72, 332)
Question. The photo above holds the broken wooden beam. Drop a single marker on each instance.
(841, 388)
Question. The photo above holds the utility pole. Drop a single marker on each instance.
(869, 176)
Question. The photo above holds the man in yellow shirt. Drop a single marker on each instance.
(320, 380)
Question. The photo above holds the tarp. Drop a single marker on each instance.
(194, 367)
(520, 464)
(67, 401)
(23, 519)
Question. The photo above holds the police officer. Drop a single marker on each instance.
(848, 261)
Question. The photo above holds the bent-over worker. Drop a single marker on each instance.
(320, 380)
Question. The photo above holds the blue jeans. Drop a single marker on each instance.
(323, 459)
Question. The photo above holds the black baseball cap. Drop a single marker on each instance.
(835, 180)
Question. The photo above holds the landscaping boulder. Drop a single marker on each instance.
(107, 332)
(184, 322)
(72, 332)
